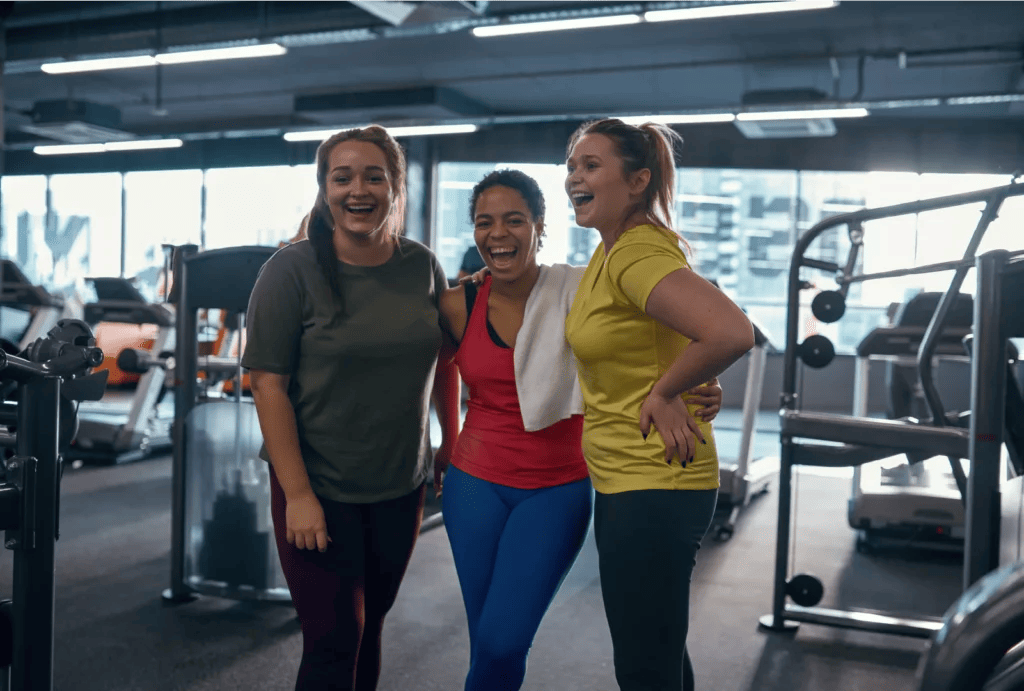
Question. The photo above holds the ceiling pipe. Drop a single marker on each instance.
(875, 106)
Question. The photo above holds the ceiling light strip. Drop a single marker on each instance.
(737, 10)
(260, 50)
(131, 145)
(555, 25)
(406, 131)
(808, 114)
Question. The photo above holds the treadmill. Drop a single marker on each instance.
(743, 478)
(127, 425)
(27, 311)
(909, 500)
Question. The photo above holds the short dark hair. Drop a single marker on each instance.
(514, 179)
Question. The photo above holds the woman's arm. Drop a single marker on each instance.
(447, 390)
(718, 330)
(719, 335)
(306, 527)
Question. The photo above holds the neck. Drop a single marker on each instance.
(610, 234)
(363, 250)
(517, 289)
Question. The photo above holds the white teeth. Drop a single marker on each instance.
(502, 251)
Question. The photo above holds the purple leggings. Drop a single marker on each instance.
(341, 595)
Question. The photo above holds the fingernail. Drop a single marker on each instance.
(703, 442)
(644, 435)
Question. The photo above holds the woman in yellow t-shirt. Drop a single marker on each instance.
(644, 329)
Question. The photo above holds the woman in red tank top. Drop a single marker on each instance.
(517, 497)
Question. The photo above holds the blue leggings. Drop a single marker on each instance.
(512, 549)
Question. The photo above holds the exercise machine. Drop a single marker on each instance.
(40, 389)
(852, 440)
(27, 311)
(745, 477)
(222, 538)
(127, 425)
(909, 500)
(980, 645)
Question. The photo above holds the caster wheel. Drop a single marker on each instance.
(723, 533)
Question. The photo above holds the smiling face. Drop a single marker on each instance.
(599, 191)
(506, 233)
(358, 189)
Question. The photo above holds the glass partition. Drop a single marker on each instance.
(257, 206)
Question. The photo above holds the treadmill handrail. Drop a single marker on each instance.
(950, 341)
(152, 313)
(977, 631)
(874, 432)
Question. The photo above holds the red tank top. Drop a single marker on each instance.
(493, 445)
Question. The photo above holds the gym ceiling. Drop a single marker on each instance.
(956, 65)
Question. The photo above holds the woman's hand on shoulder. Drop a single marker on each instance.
(477, 278)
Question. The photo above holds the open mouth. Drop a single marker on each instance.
(360, 209)
(581, 199)
(502, 257)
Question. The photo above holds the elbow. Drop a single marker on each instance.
(734, 341)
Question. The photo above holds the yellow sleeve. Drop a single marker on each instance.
(635, 269)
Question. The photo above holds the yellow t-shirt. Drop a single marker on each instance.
(620, 353)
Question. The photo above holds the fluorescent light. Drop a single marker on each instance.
(262, 50)
(98, 64)
(981, 100)
(133, 145)
(139, 144)
(431, 129)
(804, 114)
(235, 52)
(69, 149)
(736, 10)
(679, 119)
(320, 135)
(556, 25)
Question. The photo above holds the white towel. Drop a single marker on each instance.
(545, 368)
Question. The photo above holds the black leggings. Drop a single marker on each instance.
(341, 595)
(647, 544)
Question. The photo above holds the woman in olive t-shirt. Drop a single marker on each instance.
(343, 343)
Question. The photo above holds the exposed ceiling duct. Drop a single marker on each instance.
(76, 122)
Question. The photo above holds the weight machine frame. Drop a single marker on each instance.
(866, 439)
(30, 499)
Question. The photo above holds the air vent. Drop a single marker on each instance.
(76, 122)
(786, 129)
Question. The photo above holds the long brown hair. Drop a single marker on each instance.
(320, 228)
(651, 146)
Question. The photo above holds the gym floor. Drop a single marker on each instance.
(114, 633)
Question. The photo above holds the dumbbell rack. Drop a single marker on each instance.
(865, 439)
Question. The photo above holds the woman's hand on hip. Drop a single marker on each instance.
(709, 397)
(305, 523)
(677, 428)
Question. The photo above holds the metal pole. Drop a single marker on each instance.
(988, 415)
(776, 620)
(184, 399)
(34, 559)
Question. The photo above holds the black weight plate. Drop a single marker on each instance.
(828, 306)
(817, 351)
(805, 590)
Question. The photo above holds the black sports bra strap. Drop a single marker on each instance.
(470, 289)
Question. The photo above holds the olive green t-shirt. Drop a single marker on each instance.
(360, 380)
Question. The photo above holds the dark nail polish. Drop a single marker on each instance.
(644, 436)
(703, 442)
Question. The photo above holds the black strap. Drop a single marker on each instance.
(471, 293)
(471, 289)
